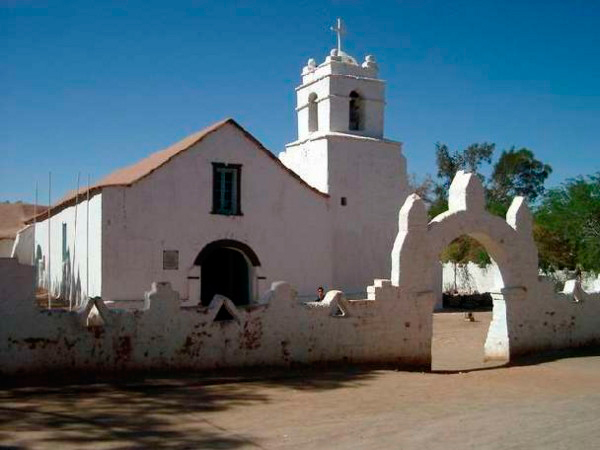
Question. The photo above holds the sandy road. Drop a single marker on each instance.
(549, 404)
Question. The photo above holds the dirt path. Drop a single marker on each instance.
(458, 344)
(548, 405)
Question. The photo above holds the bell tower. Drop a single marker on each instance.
(341, 151)
(340, 96)
(338, 99)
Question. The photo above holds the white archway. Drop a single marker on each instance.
(509, 243)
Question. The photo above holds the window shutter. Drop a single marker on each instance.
(216, 188)
(239, 190)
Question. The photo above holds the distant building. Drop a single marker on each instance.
(217, 213)
(13, 217)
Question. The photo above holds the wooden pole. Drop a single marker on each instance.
(34, 223)
(87, 242)
(73, 269)
(49, 238)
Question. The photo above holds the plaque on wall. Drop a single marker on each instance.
(170, 259)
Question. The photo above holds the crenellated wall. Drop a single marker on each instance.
(278, 331)
(393, 325)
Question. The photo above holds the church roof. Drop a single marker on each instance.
(13, 217)
(129, 175)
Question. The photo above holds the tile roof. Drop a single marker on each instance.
(128, 175)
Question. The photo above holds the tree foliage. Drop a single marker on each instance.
(423, 187)
(449, 163)
(517, 172)
(465, 249)
(571, 215)
(469, 159)
(567, 218)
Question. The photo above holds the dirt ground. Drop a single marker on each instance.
(550, 402)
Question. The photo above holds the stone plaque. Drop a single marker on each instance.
(170, 259)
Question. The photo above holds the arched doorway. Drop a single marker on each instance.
(227, 268)
(468, 279)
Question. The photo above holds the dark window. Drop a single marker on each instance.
(355, 122)
(313, 113)
(65, 249)
(343, 201)
(227, 180)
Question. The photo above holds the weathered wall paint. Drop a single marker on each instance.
(393, 325)
(279, 331)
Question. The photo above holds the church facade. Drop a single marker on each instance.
(217, 213)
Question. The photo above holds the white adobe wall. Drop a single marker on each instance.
(76, 247)
(371, 175)
(480, 279)
(284, 222)
(484, 279)
(23, 246)
(392, 326)
(309, 159)
(278, 331)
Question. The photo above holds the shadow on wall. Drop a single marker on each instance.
(67, 291)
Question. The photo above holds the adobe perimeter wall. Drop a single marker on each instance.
(163, 336)
(393, 325)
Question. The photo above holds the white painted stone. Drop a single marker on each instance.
(466, 192)
(519, 216)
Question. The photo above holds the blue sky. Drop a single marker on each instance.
(91, 86)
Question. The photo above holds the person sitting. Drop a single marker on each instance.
(320, 294)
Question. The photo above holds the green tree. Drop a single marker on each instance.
(517, 172)
(571, 214)
(554, 251)
(470, 159)
(449, 163)
(463, 250)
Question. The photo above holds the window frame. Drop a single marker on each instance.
(220, 189)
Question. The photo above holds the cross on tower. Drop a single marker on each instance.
(339, 29)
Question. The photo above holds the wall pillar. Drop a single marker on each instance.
(497, 342)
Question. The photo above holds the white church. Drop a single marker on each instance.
(218, 213)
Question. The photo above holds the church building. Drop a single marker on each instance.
(218, 213)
